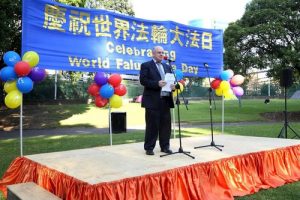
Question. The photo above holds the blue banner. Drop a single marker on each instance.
(79, 39)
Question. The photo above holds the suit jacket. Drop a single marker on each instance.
(149, 78)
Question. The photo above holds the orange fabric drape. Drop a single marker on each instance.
(221, 179)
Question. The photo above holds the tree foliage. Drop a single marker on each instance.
(121, 6)
(266, 37)
(10, 26)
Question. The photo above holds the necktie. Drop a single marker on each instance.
(161, 71)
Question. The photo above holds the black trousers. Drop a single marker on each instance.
(158, 124)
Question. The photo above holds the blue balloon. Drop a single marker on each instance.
(106, 91)
(24, 84)
(225, 75)
(11, 58)
(178, 74)
(8, 74)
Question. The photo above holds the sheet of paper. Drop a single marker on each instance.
(170, 79)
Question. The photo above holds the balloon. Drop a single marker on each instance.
(115, 80)
(237, 79)
(238, 91)
(219, 92)
(182, 82)
(228, 95)
(179, 90)
(224, 85)
(22, 68)
(100, 102)
(37, 74)
(24, 84)
(13, 99)
(224, 75)
(11, 58)
(10, 86)
(32, 58)
(178, 74)
(8, 74)
(106, 91)
(115, 101)
(215, 83)
(230, 72)
(94, 89)
(120, 90)
(100, 78)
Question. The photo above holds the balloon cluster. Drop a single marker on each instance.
(107, 89)
(227, 85)
(181, 82)
(19, 76)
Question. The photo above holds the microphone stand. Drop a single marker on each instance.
(212, 143)
(177, 86)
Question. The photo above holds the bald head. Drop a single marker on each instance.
(158, 53)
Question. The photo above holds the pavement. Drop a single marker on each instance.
(89, 130)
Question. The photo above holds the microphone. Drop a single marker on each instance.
(205, 65)
(167, 59)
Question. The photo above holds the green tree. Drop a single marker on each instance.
(10, 32)
(10, 26)
(121, 6)
(266, 37)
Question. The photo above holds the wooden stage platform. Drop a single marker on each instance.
(246, 165)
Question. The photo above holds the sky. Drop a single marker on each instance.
(212, 12)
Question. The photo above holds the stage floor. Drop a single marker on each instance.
(111, 163)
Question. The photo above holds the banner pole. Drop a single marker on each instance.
(21, 127)
(110, 132)
(223, 114)
(55, 85)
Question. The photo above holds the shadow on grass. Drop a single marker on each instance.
(40, 116)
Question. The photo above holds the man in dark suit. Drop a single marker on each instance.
(156, 102)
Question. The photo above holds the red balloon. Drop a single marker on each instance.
(182, 82)
(22, 68)
(94, 89)
(215, 83)
(120, 90)
(100, 101)
(115, 80)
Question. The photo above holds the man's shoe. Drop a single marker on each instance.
(168, 151)
(149, 152)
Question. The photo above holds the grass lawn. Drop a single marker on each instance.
(56, 116)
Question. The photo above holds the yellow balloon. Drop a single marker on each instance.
(219, 91)
(13, 99)
(32, 58)
(178, 90)
(230, 96)
(10, 86)
(224, 85)
(115, 101)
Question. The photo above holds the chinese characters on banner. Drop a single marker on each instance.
(91, 40)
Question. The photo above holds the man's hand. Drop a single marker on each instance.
(173, 87)
(162, 83)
